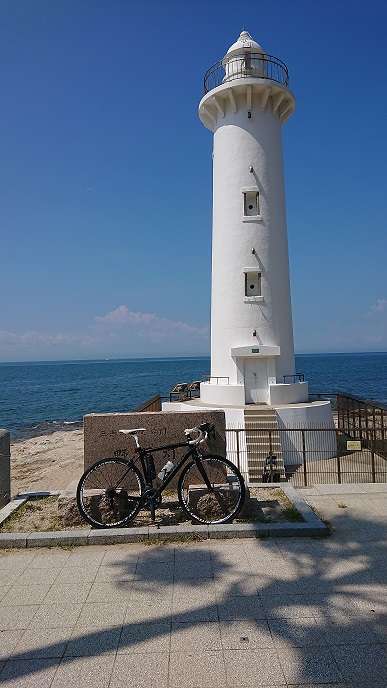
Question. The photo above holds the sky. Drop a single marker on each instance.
(106, 173)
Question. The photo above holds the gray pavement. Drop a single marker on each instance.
(236, 612)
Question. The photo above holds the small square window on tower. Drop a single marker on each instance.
(252, 284)
(251, 209)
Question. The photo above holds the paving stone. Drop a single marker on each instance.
(40, 643)
(246, 635)
(145, 638)
(296, 632)
(29, 673)
(17, 617)
(94, 642)
(247, 607)
(23, 594)
(101, 614)
(8, 642)
(259, 667)
(76, 672)
(56, 616)
(110, 591)
(193, 669)
(141, 674)
(70, 592)
(311, 665)
(361, 662)
(196, 637)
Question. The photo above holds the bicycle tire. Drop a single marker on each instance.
(101, 503)
(221, 505)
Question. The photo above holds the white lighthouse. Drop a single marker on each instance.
(246, 102)
(253, 377)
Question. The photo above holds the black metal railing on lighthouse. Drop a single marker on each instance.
(247, 65)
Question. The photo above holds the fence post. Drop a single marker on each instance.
(304, 458)
(237, 448)
(338, 458)
(271, 457)
(373, 457)
(5, 468)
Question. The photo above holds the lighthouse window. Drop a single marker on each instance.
(250, 203)
(252, 284)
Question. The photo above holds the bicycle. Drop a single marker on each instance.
(210, 488)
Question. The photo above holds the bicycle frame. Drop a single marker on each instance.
(191, 452)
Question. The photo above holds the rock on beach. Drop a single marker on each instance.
(47, 462)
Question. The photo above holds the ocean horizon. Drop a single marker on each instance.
(43, 396)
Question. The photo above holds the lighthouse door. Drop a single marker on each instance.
(256, 383)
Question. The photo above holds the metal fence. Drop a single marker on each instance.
(365, 420)
(247, 65)
(153, 404)
(311, 455)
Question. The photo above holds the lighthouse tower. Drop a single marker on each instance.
(246, 102)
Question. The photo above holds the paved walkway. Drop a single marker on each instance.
(274, 612)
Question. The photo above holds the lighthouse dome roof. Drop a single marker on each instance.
(244, 42)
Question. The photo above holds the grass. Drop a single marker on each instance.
(38, 514)
(292, 514)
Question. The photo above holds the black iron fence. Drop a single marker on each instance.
(308, 456)
(247, 65)
(365, 420)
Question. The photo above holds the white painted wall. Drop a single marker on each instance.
(319, 445)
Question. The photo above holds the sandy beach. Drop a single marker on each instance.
(48, 462)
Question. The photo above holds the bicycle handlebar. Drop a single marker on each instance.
(201, 430)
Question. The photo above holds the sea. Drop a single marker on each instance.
(38, 398)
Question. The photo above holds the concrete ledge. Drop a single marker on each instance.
(181, 532)
(115, 536)
(238, 530)
(8, 540)
(58, 538)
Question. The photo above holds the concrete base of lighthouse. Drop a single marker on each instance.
(316, 418)
(235, 395)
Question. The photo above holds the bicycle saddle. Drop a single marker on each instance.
(132, 432)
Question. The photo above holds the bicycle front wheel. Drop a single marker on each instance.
(219, 497)
(109, 493)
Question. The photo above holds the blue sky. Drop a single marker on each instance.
(106, 181)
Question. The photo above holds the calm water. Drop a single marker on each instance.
(41, 397)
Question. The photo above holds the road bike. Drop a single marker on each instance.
(210, 488)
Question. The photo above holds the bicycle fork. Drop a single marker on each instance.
(203, 472)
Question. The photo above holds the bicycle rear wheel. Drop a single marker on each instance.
(221, 502)
(109, 493)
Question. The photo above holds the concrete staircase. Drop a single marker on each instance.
(259, 442)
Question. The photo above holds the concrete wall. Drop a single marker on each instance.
(294, 393)
(5, 468)
(102, 438)
(319, 445)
